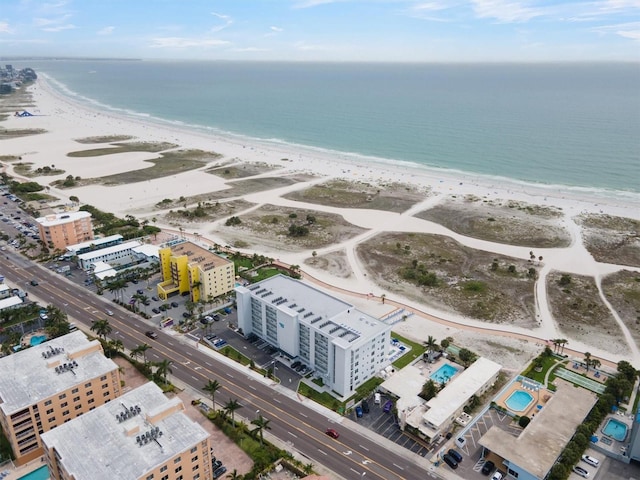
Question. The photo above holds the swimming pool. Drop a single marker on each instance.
(40, 474)
(615, 429)
(444, 373)
(37, 340)
(519, 401)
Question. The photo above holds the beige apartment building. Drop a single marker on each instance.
(142, 436)
(64, 229)
(50, 384)
(187, 267)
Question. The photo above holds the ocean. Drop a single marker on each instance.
(573, 125)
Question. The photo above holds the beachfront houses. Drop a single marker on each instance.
(530, 454)
(118, 257)
(188, 268)
(142, 436)
(49, 384)
(93, 245)
(435, 417)
(343, 345)
(59, 230)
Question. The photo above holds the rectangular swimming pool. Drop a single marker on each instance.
(40, 474)
(444, 373)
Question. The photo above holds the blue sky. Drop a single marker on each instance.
(319, 30)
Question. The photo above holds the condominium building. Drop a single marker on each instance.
(47, 385)
(141, 436)
(187, 267)
(62, 229)
(93, 245)
(344, 345)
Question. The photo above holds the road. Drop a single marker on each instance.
(354, 455)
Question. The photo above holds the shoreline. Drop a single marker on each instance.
(66, 119)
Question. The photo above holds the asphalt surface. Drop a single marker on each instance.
(295, 421)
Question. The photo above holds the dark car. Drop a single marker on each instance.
(185, 314)
(488, 467)
(174, 304)
(332, 433)
(155, 310)
(140, 291)
(449, 460)
(151, 334)
(365, 406)
(155, 299)
(295, 364)
(34, 283)
(455, 454)
(387, 406)
(218, 472)
(163, 307)
(359, 412)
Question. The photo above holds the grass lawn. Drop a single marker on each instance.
(416, 351)
(547, 363)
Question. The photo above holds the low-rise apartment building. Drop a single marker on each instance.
(345, 346)
(47, 385)
(60, 230)
(187, 267)
(142, 436)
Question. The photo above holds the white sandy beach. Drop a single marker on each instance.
(65, 121)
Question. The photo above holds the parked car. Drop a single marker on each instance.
(155, 299)
(488, 467)
(151, 334)
(359, 412)
(140, 291)
(376, 398)
(581, 471)
(155, 310)
(594, 462)
(365, 406)
(449, 460)
(455, 454)
(332, 433)
(387, 406)
(497, 476)
(218, 472)
(174, 304)
(185, 314)
(295, 364)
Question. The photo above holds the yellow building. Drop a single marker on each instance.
(187, 267)
(142, 436)
(63, 229)
(49, 384)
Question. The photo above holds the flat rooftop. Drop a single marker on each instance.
(336, 318)
(196, 254)
(97, 241)
(538, 446)
(102, 444)
(121, 247)
(406, 384)
(458, 391)
(29, 376)
(62, 218)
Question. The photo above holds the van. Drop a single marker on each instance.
(594, 462)
(376, 398)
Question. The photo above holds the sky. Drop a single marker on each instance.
(324, 30)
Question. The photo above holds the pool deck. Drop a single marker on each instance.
(540, 397)
(433, 368)
(25, 341)
(609, 444)
(17, 472)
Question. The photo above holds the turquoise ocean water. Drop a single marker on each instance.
(575, 125)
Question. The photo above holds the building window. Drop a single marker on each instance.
(60, 397)
(178, 468)
(194, 459)
(166, 477)
(51, 419)
(177, 460)
(195, 467)
(163, 469)
(193, 450)
(47, 403)
(76, 399)
(77, 407)
(105, 394)
(87, 385)
(75, 390)
(91, 400)
(63, 404)
(65, 413)
(104, 377)
(50, 411)
(90, 392)
(150, 477)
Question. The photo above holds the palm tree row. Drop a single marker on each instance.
(558, 345)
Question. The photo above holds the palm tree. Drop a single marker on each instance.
(116, 346)
(102, 328)
(383, 297)
(595, 363)
(141, 350)
(431, 345)
(587, 360)
(563, 342)
(230, 407)
(211, 388)
(261, 424)
(234, 475)
(162, 368)
(308, 468)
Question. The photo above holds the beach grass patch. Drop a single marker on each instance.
(242, 170)
(611, 239)
(623, 292)
(20, 132)
(104, 139)
(25, 169)
(152, 147)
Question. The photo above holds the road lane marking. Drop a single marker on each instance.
(324, 453)
(305, 416)
(292, 434)
(364, 448)
(398, 466)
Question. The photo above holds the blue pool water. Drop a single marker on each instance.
(37, 340)
(519, 400)
(615, 429)
(444, 373)
(40, 474)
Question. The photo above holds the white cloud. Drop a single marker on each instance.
(225, 18)
(314, 3)
(506, 11)
(629, 30)
(308, 48)
(5, 28)
(276, 29)
(183, 42)
(59, 28)
(106, 30)
(250, 49)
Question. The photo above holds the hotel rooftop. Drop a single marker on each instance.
(337, 319)
(126, 437)
(39, 372)
(196, 254)
(61, 218)
(537, 448)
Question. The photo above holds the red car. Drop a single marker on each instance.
(332, 433)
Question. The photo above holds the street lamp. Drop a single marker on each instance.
(257, 413)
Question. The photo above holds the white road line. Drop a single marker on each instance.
(293, 434)
(303, 415)
(208, 364)
(398, 466)
(229, 375)
(363, 447)
(171, 344)
(194, 378)
(276, 400)
(324, 453)
(253, 388)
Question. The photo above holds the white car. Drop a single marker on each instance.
(109, 312)
(581, 471)
(497, 476)
(594, 462)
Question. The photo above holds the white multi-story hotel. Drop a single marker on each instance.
(344, 345)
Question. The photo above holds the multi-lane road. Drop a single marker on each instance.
(356, 454)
